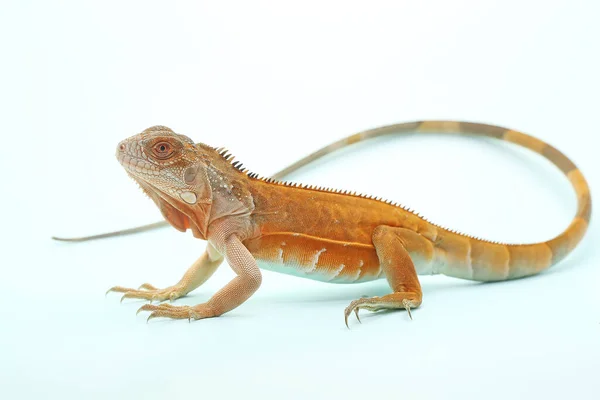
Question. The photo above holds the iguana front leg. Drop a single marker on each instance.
(238, 290)
(195, 276)
(396, 248)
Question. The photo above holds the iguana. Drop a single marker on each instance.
(319, 233)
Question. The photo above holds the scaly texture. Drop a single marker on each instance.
(319, 233)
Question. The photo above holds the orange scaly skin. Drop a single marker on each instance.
(318, 233)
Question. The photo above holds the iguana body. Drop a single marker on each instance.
(317, 233)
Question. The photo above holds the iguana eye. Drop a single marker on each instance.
(162, 150)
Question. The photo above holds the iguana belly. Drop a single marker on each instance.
(315, 258)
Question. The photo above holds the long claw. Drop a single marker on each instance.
(407, 307)
(356, 312)
(174, 314)
(132, 295)
(145, 307)
(135, 295)
(153, 315)
(118, 289)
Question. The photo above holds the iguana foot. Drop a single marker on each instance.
(149, 292)
(397, 300)
(199, 311)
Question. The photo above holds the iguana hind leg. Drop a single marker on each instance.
(395, 249)
(195, 276)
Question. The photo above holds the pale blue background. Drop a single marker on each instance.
(272, 82)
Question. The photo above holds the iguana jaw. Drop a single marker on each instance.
(176, 212)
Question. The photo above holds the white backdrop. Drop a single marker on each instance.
(273, 81)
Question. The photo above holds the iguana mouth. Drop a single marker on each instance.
(137, 165)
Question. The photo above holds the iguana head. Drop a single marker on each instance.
(172, 171)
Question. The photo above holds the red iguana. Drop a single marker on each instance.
(317, 233)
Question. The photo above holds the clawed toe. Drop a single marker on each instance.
(118, 289)
(166, 310)
(176, 312)
(392, 301)
(406, 304)
(148, 292)
(354, 306)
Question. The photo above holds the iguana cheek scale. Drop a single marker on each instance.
(317, 233)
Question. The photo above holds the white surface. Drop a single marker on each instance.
(273, 82)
